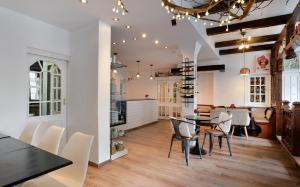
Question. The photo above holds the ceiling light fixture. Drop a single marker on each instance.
(151, 71)
(84, 1)
(144, 35)
(124, 41)
(138, 75)
(116, 19)
(166, 47)
(119, 7)
(228, 10)
(244, 41)
(156, 42)
(134, 38)
(128, 27)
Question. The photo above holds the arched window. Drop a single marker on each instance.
(45, 89)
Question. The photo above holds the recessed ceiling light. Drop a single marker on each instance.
(134, 38)
(128, 27)
(114, 43)
(124, 41)
(156, 42)
(144, 35)
(84, 1)
(116, 19)
(166, 47)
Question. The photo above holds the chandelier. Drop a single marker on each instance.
(227, 10)
(244, 41)
(119, 7)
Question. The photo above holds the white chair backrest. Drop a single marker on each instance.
(77, 150)
(224, 117)
(186, 129)
(51, 139)
(29, 133)
(240, 117)
(215, 113)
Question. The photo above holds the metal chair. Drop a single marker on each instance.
(183, 131)
(220, 130)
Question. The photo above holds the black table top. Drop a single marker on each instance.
(20, 162)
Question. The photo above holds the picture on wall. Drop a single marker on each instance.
(262, 64)
(292, 64)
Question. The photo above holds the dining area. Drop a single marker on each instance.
(28, 162)
(220, 124)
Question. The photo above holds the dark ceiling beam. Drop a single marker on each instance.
(252, 48)
(221, 68)
(255, 24)
(258, 39)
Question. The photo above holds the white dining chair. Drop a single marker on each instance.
(78, 151)
(51, 139)
(29, 132)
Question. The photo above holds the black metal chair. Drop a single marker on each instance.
(181, 132)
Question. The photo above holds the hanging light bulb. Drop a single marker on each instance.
(206, 13)
(138, 75)
(151, 69)
(115, 71)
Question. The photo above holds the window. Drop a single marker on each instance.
(258, 91)
(44, 89)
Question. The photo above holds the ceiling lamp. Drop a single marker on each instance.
(227, 10)
(138, 75)
(84, 1)
(244, 71)
(244, 41)
(151, 71)
(119, 7)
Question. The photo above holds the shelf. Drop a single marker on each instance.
(296, 159)
(119, 154)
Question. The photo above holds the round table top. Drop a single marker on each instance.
(198, 118)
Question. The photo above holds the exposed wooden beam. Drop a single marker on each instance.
(258, 39)
(252, 48)
(255, 24)
(221, 68)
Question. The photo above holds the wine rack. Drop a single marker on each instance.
(188, 79)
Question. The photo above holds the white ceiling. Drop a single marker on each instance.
(144, 16)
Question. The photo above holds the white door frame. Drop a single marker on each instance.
(61, 119)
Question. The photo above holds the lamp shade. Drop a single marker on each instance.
(245, 71)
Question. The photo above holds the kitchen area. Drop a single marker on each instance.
(126, 114)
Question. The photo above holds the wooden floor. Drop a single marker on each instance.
(258, 162)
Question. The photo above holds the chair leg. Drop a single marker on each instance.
(220, 141)
(199, 147)
(182, 146)
(171, 146)
(246, 132)
(187, 151)
(228, 143)
(233, 128)
(204, 139)
(211, 144)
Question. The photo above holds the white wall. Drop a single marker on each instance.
(229, 86)
(83, 89)
(89, 89)
(17, 33)
(205, 86)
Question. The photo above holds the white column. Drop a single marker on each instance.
(104, 55)
(196, 52)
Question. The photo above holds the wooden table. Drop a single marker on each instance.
(198, 120)
(20, 162)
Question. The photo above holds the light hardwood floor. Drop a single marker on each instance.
(256, 162)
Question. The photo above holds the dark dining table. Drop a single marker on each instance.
(20, 162)
(198, 120)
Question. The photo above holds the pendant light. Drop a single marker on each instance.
(138, 75)
(244, 71)
(151, 71)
